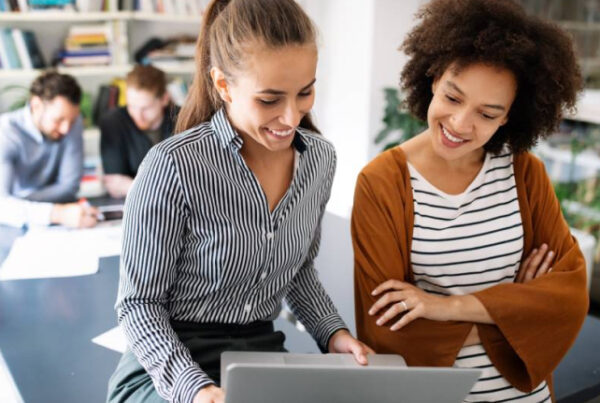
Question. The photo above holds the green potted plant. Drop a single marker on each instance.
(400, 125)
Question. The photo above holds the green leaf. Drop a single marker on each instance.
(391, 145)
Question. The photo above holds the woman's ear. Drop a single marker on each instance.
(220, 83)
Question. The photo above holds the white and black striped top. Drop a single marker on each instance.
(201, 245)
(465, 243)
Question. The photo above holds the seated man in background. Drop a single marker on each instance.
(127, 133)
(41, 157)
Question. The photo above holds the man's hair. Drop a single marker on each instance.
(147, 78)
(51, 84)
(497, 33)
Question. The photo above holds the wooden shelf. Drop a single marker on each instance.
(62, 16)
(580, 25)
(176, 68)
(174, 18)
(98, 71)
(72, 16)
(87, 71)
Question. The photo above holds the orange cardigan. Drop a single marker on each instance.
(535, 323)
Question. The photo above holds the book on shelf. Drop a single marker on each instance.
(166, 53)
(177, 90)
(10, 56)
(172, 7)
(35, 5)
(121, 85)
(107, 99)
(19, 49)
(87, 45)
(37, 58)
(19, 39)
(81, 61)
(4, 53)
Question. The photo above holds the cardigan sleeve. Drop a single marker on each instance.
(379, 236)
(537, 322)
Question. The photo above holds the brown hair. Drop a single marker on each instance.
(499, 33)
(51, 84)
(147, 78)
(228, 27)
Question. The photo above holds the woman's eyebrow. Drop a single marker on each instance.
(457, 89)
(279, 92)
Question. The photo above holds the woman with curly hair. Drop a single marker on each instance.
(462, 256)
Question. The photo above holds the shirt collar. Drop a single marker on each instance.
(29, 127)
(227, 134)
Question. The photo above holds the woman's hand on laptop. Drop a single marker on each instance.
(343, 342)
(210, 394)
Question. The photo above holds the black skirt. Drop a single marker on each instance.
(131, 383)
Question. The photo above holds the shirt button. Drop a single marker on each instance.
(263, 276)
(247, 308)
(269, 235)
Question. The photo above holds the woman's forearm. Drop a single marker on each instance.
(467, 308)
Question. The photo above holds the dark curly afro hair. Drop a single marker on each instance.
(495, 32)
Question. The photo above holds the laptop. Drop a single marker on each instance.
(257, 377)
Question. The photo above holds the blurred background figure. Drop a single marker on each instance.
(41, 157)
(127, 133)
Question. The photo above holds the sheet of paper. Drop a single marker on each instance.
(113, 339)
(59, 252)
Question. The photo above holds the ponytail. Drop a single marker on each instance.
(202, 100)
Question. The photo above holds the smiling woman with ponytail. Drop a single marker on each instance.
(223, 220)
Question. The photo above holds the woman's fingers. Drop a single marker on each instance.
(411, 314)
(524, 266)
(395, 310)
(536, 264)
(385, 300)
(387, 285)
(545, 266)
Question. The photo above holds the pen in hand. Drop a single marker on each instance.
(86, 204)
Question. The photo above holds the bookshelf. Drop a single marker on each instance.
(72, 16)
(133, 28)
(184, 68)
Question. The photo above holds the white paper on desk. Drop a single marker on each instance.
(59, 252)
(114, 339)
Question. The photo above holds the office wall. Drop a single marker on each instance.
(358, 58)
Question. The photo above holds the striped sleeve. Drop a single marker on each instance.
(153, 230)
(307, 298)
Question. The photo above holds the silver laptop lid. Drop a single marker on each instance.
(252, 377)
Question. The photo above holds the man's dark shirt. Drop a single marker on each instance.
(123, 146)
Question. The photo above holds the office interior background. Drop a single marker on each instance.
(358, 61)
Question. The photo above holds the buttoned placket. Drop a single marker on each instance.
(270, 220)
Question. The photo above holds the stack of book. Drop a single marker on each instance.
(28, 5)
(174, 52)
(19, 50)
(181, 7)
(87, 45)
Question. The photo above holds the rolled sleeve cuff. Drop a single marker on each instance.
(18, 212)
(39, 213)
(189, 382)
(326, 327)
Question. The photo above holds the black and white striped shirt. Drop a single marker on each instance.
(201, 245)
(468, 242)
